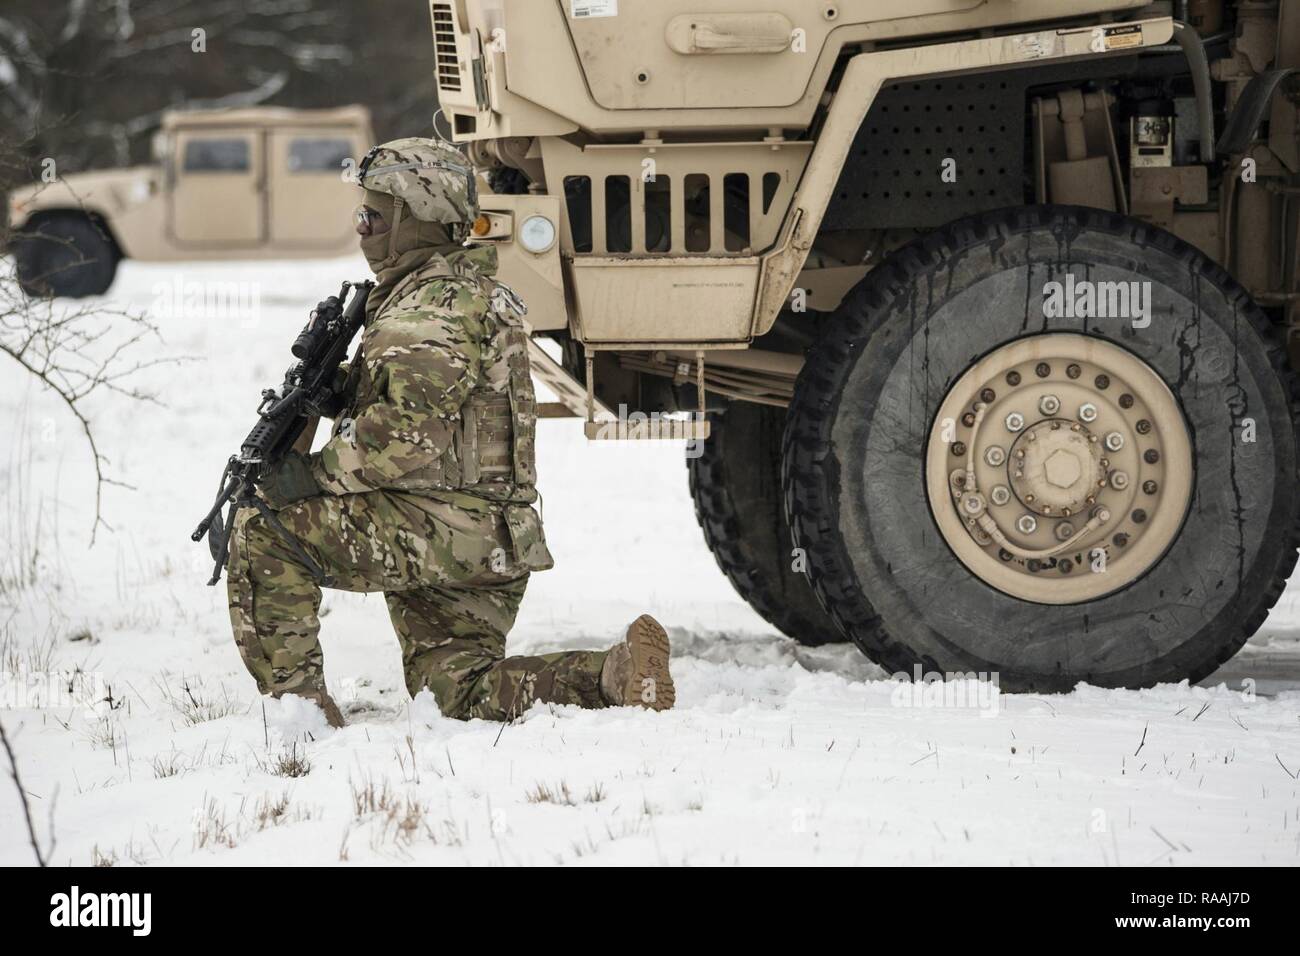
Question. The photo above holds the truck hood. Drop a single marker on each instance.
(108, 192)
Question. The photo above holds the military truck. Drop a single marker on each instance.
(990, 307)
(227, 183)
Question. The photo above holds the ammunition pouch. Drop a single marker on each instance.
(527, 538)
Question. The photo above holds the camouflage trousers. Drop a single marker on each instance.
(452, 595)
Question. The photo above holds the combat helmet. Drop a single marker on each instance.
(429, 177)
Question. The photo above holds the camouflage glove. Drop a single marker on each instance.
(290, 481)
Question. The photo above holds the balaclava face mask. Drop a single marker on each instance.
(406, 245)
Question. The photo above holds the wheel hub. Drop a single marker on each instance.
(1059, 468)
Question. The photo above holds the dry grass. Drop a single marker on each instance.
(197, 704)
(290, 763)
(212, 828)
(171, 764)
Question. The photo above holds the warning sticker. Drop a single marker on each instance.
(587, 9)
(1121, 38)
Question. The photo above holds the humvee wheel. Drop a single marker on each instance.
(912, 413)
(64, 254)
(736, 486)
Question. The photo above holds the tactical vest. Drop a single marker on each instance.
(491, 454)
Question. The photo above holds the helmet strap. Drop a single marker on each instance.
(398, 203)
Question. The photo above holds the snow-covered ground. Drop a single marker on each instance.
(775, 753)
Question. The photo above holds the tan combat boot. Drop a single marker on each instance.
(636, 672)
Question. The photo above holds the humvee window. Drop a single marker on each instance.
(216, 156)
(318, 155)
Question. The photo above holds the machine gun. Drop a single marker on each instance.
(310, 386)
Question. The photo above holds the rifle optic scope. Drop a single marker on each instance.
(313, 334)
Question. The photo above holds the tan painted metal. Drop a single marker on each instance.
(164, 212)
(863, 79)
(1059, 468)
(571, 393)
(546, 72)
(706, 284)
(536, 276)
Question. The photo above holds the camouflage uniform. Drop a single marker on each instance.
(428, 486)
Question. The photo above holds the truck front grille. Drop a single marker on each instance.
(444, 48)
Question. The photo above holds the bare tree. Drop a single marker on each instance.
(74, 349)
(111, 67)
(42, 856)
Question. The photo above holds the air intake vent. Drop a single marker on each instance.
(444, 48)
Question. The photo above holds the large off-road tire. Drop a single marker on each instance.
(66, 255)
(736, 485)
(948, 342)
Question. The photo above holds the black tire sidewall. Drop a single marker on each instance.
(66, 255)
(955, 296)
(736, 486)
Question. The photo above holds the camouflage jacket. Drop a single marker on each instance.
(438, 400)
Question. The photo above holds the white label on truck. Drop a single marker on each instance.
(586, 9)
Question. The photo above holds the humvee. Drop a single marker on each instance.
(228, 183)
(986, 304)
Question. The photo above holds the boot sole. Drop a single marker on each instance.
(648, 642)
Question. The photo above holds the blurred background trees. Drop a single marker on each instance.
(86, 81)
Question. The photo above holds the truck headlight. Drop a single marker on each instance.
(537, 234)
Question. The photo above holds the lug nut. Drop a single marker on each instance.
(1150, 487)
(1151, 456)
(1000, 495)
(1120, 540)
(1026, 524)
(959, 448)
(987, 395)
(968, 419)
(1087, 412)
(1063, 531)
(1049, 404)
(995, 455)
(1139, 516)
(1065, 566)
(1102, 382)
(1013, 378)
(1073, 370)
(1114, 441)
(1015, 422)
(974, 504)
(1119, 480)
(1042, 370)
(1126, 400)
(1143, 426)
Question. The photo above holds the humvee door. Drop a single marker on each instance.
(216, 196)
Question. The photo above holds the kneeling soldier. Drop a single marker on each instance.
(425, 489)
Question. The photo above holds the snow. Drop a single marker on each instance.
(774, 754)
